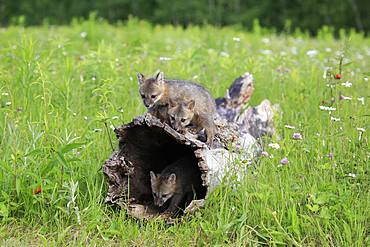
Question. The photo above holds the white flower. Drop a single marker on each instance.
(165, 58)
(366, 79)
(265, 40)
(274, 145)
(312, 53)
(83, 35)
(85, 117)
(224, 54)
(294, 50)
(5, 94)
(361, 129)
(289, 126)
(334, 119)
(327, 108)
(328, 49)
(195, 77)
(266, 52)
(8, 103)
(236, 39)
(362, 100)
(351, 175)
(347, 84)
(342, 97)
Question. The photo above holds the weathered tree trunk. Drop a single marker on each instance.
(147, 144)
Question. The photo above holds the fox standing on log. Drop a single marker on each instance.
(182, 104)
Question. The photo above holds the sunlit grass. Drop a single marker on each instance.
(59, 85)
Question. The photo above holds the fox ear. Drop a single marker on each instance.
(140, 77)
(172, 178)
(153, 178)
(191, 104)
(159, 78)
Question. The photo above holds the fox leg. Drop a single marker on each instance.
(209, 128)
(174, 205)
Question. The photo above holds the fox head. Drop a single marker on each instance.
(181, 114)
(163, 187)
(151, 89)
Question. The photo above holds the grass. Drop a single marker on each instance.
(59, 85)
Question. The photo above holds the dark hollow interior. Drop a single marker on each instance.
(152, 149)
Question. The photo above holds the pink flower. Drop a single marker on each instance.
(331, 156)
(284, 161)
(297, 136)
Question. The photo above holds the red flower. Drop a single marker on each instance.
(36, 191)
(338, 76)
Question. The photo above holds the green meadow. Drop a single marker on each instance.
(61, 85)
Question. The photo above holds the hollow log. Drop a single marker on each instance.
(146, 144)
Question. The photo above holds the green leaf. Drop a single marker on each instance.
(71, 146)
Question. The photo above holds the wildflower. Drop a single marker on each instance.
(284, 161)
(264, 153)
(352, 175)
(362, 100)
(93, 77)
(165, 58)
(342, 97)
(274, 145)
(297, 136)
(347, 84)
(224, 54)
(265, 40)
(294, 50)
(312, 53)
(85, 117)
(36, 191)
(366, 79)
(266, 52)
(338, 76)
(83, 35)
(289, 126)
(8, 103)
(236, 39)
(5, 94)
(327, 108)
(334, 119)
(328, 49)
(331, 156)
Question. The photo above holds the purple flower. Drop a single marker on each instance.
(331, 156)
(297, 136)
(264, 153)
(284, 161)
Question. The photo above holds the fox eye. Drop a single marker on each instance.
(183, 120)
(165, 195)
(142, 96)
(154, 96)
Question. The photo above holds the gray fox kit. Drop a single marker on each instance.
(189, 103)
(177, 184)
